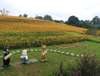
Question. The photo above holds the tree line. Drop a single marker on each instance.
(72, 20)
(95, 22)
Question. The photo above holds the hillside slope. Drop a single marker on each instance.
(24, 32)
(20, 24)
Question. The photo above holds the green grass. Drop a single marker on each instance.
(36, 69)
(25, 34)
(54, 59)
(94, 38)
(23, 39)
(81, 47)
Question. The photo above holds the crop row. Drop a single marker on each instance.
(37, 41)
(12, 24)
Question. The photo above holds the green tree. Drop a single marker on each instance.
(48, 17)
(96, 20)
(73, 20)
(25, 15)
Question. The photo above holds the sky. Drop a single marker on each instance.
(58, 9)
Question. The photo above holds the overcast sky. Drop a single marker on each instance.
(58, 9)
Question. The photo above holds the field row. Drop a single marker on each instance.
(20, 41)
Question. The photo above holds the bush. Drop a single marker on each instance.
(87, 66)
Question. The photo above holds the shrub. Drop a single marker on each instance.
(87, 66)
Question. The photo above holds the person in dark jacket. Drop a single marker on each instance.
(6, 57)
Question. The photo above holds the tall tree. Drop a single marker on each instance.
(96, 20)
(73, 20)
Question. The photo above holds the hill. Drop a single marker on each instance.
(20, 24)
(22, 32)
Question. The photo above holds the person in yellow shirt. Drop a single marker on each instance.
(43, 53)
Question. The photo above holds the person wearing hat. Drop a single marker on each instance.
(43, 53)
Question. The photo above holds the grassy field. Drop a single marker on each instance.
(17, 31)
(36, 69)
(63, 41)
(54, 59)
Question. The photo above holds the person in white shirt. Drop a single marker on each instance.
(24, 57)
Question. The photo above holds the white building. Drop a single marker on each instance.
(4, 12)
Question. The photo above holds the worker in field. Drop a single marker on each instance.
(24, 56)
(6, 57)
(43, 53)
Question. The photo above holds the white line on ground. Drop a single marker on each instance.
(62, 52)
(77, 55)
(67, 53)
(72, 54)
